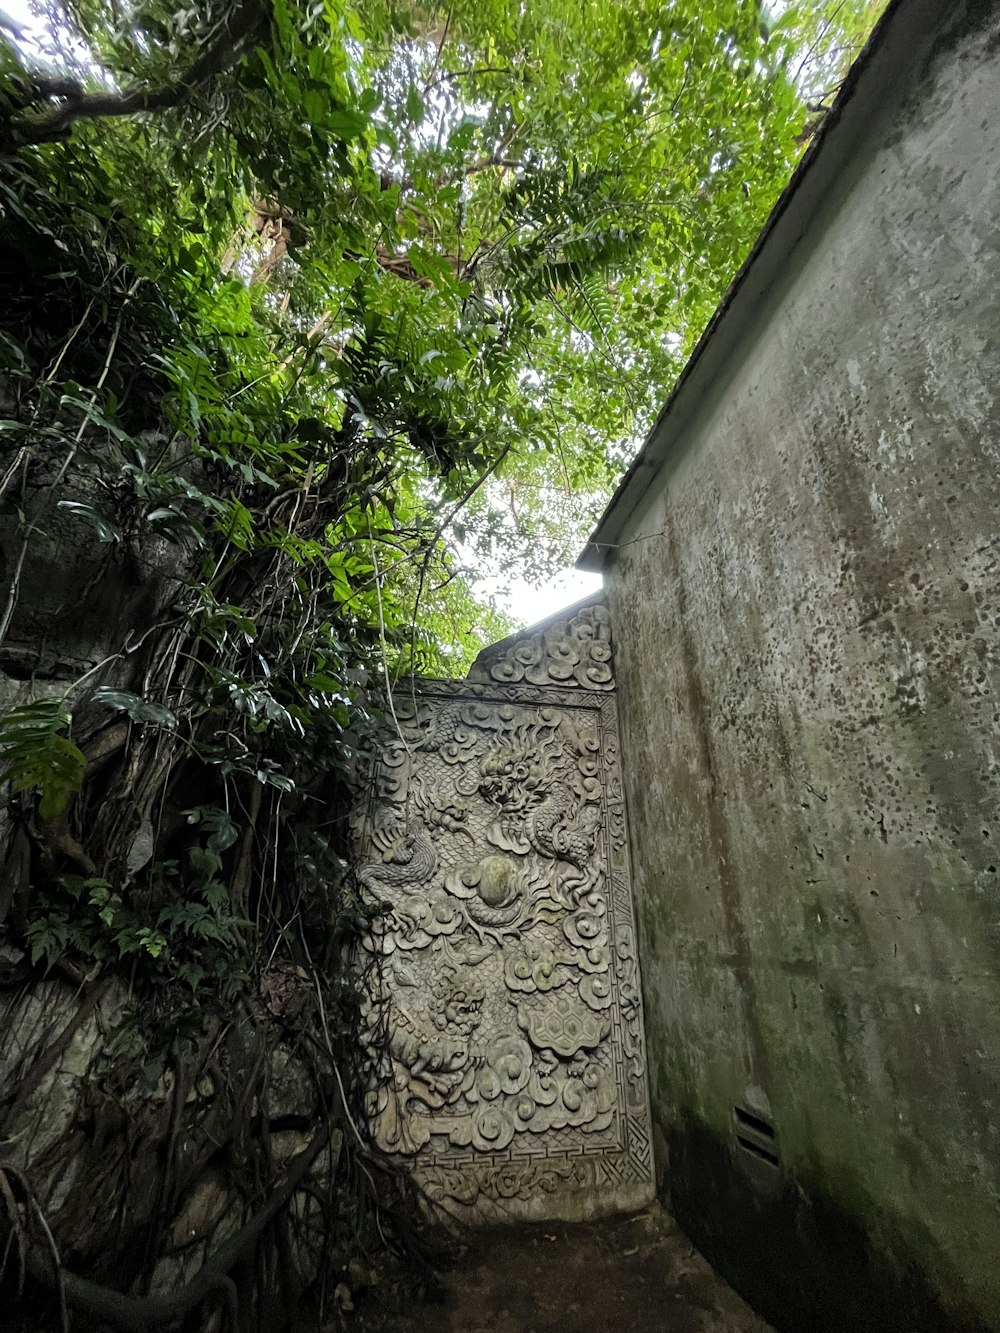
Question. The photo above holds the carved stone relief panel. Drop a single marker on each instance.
(571, 651)
(514, 1077)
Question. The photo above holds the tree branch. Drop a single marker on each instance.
(234, 34)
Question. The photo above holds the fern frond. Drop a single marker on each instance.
(35, 755)
(592, 307)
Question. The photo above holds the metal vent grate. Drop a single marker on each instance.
(756, 1136)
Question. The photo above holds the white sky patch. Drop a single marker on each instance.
(528, 603)
(35, 38)
(19, 13)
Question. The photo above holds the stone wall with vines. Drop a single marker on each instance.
(181, 703)
(181, 1123)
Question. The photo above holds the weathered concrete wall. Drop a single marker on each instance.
(807, 611)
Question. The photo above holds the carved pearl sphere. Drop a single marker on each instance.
(496, 880)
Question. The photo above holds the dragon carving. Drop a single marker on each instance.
(527, 775)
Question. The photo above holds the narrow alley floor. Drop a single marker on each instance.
(635, 1274)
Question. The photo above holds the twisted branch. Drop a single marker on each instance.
(237, 30)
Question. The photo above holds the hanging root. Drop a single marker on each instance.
(139, 1314)
(16, 1234)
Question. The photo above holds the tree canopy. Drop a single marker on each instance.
(478, 238)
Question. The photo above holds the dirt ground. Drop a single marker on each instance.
(637, 1274)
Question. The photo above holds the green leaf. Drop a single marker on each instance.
(414, 104)
(217, 823)
(105, 529)
(177, 526)
(139, 710)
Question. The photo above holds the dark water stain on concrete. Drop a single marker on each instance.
(799, 1256)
